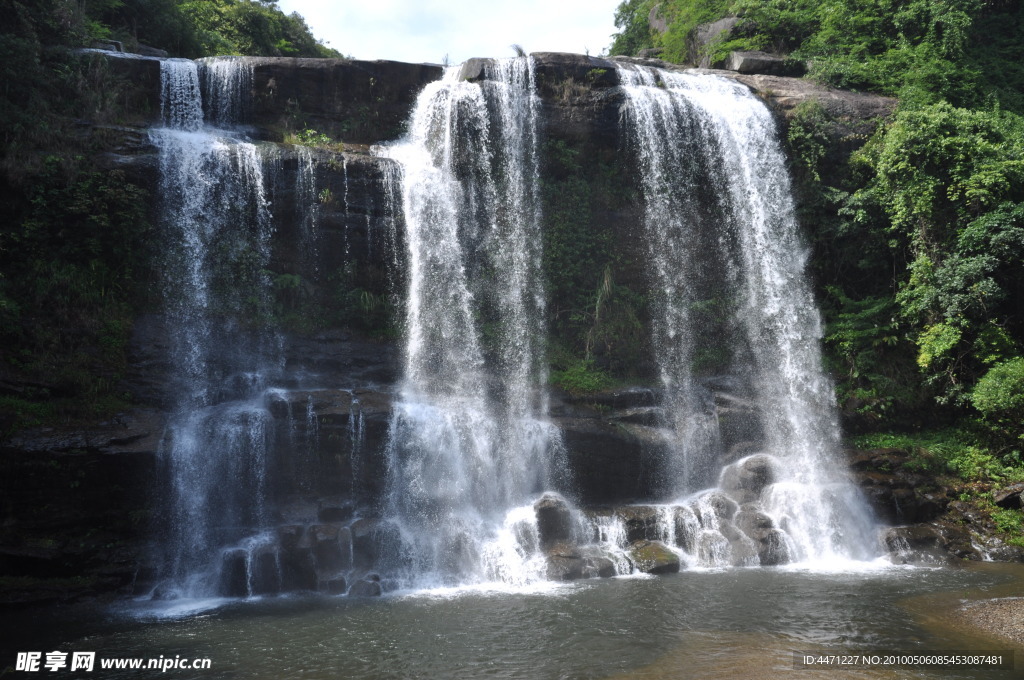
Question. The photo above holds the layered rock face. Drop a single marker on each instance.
(336, 266)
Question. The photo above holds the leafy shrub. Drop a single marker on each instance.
(581, 377)
(1000, 392)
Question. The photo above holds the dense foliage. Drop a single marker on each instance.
(919, 234)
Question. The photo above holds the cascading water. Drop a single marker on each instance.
(728, 272)
(469, 445)
(217, 225)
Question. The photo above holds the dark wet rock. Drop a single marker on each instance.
(642, 522)
(335, 513)
(374, 541)
(896, 494)
(336, 586)
(336, 94)
(772, 549)
(564, 568)
(554, 520)
(327, 547)
(365, 589)
(744, 552)
(687, 528)
(919, 544)
(290, 536)
(1005, 553)
(1009, 497)
(132, 432)
(641, 415)
(653, 557)
(234, 574)
(266, 578)
(739, 425)
(591, 72)
(597, 562)
(723, 507)
(368, 586)
(298, 570)
(610, 463)
(753, 523)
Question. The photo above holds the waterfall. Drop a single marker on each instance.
(216, 227)
(734, 314)
(226, 82)
(469, 445)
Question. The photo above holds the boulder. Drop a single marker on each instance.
(598, 562)
(368, 586)
(150, 51)
(702, 40)
(266, 577)
(745, 479)
(554, 520)
(753, 522)
(763, 63)
(713, 549)
(565, 567)
(653, 557)
(917, 544)
(856, 113)
(642, 522)
(1009, 497)
(718, 504)
(687, 528)
(474, 69)
(772, 549)
(234, 574)
(336, 586)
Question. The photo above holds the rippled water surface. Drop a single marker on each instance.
(740, 623)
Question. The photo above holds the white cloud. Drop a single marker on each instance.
(428, 30)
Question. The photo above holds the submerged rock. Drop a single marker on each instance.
(368, 586)
(653, 557)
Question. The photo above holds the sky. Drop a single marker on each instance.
(431, 30)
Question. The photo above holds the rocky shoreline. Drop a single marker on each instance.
(1001, 617)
